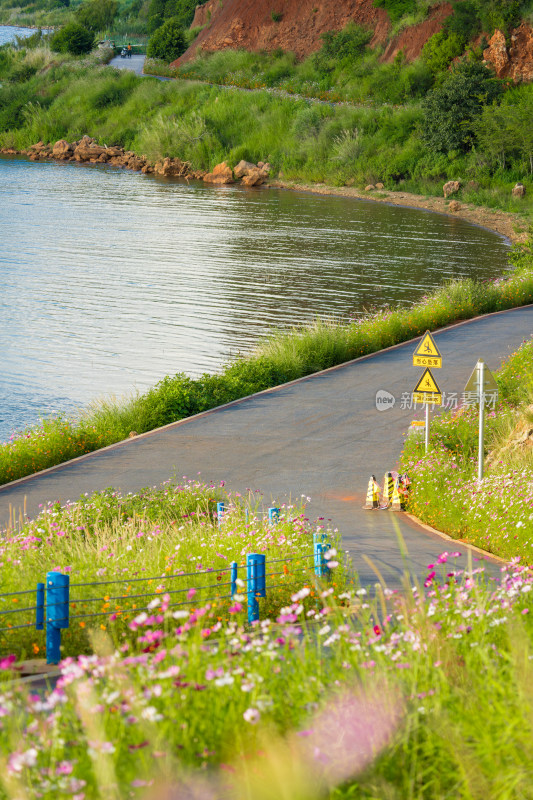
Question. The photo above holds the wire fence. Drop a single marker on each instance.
(52, 609)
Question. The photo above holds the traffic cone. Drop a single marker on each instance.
(372, 494)
(396, 498)
(388, 489)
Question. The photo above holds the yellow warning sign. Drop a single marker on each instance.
(427, 390)
(427, 353)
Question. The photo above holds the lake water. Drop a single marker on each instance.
(110, 280)
(8, 33)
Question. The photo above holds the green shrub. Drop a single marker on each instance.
(168, 42)
(450, 109)
(97, 15)
(502, 14)
(396, 9)
(440, 50)
(350, 43)
(74, 39)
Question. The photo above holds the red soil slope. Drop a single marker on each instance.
(248, 24)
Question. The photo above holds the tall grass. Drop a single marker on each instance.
(420, 695)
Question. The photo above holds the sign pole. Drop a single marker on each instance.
(427, 427)
(481, 394)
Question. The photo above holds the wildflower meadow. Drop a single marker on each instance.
(421, 693)
(124, 553)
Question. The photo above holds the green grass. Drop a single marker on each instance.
(496, 515)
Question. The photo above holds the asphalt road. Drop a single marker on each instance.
(321, 436)
(135, 63)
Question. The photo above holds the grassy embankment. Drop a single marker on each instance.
(496, 515)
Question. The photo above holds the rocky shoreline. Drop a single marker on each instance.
(86, 150)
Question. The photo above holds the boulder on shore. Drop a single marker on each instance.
(171, 168)
(62, 150)
(222, 174)
(86, 151)
(452, 187)
(243, 168)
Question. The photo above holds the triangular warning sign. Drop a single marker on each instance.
(427, 384)
(489, 381)
(427, 347)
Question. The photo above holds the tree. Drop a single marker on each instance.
(156, 14)
(505, 131)
(161, 10)
(168, 42)
(97, 15)
(72, 38)
(451, 109)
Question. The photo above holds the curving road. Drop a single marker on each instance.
(320, 436)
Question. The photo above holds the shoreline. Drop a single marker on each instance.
(504, 223)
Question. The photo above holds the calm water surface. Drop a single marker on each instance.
(9, 32)
(110, 280)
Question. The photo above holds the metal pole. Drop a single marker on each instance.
(480, 385)
(427, 427)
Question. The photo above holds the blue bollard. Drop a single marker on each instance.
(273, 516)
(220, 513)
(256, 583)
(39, 611)
(321, 568)
(234, 568)
(57, 613)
